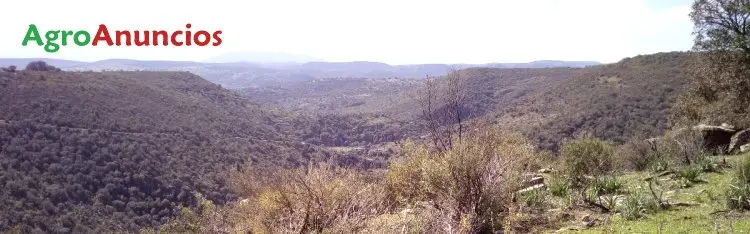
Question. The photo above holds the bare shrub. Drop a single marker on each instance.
(206, 218)
(586, 161)
(471, 184)
(443, 108)
(405, 178)
(681, 146)
(585, 158)
(636, 154)
(319, 199)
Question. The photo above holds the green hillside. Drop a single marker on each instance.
(91, 152)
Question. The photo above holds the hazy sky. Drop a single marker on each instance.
(391, 31)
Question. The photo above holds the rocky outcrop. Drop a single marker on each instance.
(532, 181)
(739, 139)
(532, 188)
(545, 170)
(716, 138)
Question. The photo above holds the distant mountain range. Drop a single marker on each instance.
(261, 57)
(235, 75)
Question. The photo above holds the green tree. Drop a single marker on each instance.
(720, 89)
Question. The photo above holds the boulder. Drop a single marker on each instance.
(406, 211)
(531, 179)
(532, 188)
(745, 148)
(716, 138)
(727, 126)
(537, 180)
(545, 170)
(739, 139)
(529, 176)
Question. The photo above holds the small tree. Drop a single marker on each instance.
(40, 66)
(584, 158)
(472, 183)
(10, 68)
(443, 108)
(586, 161)
(720, 89)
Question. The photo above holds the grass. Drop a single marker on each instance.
(608, 185)
(699, 208)
(558, 185)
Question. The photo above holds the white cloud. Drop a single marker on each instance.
(393, 31)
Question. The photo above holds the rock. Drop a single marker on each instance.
(706, 127)
(739, 139)
(530, 175)
(536, 180)
(590, 223)
(716, 138)
(745, 148)
(545, 170)
(532, 188)
(406, 211)
(727, 126)
(530, 179)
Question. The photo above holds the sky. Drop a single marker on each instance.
(390, 31)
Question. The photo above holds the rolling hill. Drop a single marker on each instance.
(613, 101)
(102, 151)
(84, 151)
(236, 75)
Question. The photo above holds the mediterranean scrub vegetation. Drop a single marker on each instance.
(469, 188)
(651, 144)
(468, 176)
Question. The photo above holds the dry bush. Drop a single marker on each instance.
(636, 154)
(405, 178)
(679, 147)
(319, 199)
(206, 218)
(583, 158)
(686, 145)
(471, 185)
(586, 162)
(408, 221)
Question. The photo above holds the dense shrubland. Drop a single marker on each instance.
(168, 152)
(467, 189)
(477, 186)
(354, 129)
(94, 152)
(58, 179)
(615, 102)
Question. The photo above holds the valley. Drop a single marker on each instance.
(418, 117)
(134, 146)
